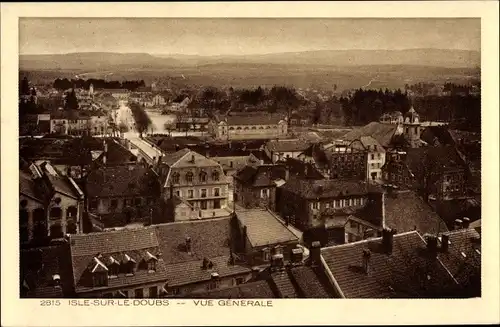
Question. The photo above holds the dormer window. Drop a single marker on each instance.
(189, 177)
(175, 178)
(99, 273)
(215, 175)
(113, 267)
(203, 176)
(129, 264)
(150, 261)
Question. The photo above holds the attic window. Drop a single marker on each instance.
(114, 267)
(129, 265)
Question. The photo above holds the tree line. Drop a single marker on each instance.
(64, 84)
(142, 120)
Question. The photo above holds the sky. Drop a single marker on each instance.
(242, 36)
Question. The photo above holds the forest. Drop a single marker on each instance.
(65, 84)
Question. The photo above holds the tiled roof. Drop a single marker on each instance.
(172, 158)
(28, 187)
(370, 143)
(463, 258)
(38, 266)
(434, 158)
(254, 119)
(405, 211)
(261, 176)
(263, 228)
(189, 272)
(316, 189)
(253, 290)
(133, 243)
(409, 272)
(295, 145)
(209, 239)
(301, 169)
(117, 154)
(284, 285)
(122, 180)
(60, 184)
(383, 133)
(311, 282)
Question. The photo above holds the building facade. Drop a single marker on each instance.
(256, 126)
(198, 180)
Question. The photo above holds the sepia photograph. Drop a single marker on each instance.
(232, 161)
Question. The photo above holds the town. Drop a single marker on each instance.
(130, 190)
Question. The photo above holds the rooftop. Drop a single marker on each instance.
(295, 145)
(381, 132)
(327, 188)
(122, 181)
(263, 228)
(252, 290)
(261, 176)
(254, 119)
(408, 272)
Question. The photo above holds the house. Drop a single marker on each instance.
(197, 124)
(199, 257)
(433, 171)
(401, 265)
(50, 204)
(375, 157)
(255, 186)
(232, 164)
(158, 100)
(45, 272)
(460, 252)
(114, 153)
(123, 194)
(261, 238)
(395, 117)
(282, 149)
(308, 204)
(119, 94)
(254, 126)
(387, 135)
(343, 160)
(118, 264)
(196, 179)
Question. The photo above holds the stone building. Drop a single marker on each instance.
(51, 204)
(255, 126)
(197, 180)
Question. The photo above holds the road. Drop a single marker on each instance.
(123, 115)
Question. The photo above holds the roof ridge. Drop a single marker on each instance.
(369, 240)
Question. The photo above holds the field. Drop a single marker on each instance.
(267, 75)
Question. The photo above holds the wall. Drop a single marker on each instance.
(375, 165)
(224, 282)
(65, 203)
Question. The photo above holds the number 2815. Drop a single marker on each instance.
(48, 303)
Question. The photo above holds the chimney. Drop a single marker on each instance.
(277, 261)
(445, 242)
(188, 245)
(432, 245)
(366, 261)
(466, 222)
(387, 239)
(255, 272)
(315, 253)
(458, 224)
(297, 255)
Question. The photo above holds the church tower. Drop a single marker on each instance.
(412, 127)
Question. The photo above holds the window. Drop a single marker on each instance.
(203, 193)
(190, 194)
(203, 176)
(372, 156)
(239, 280)
(93, 204)
(71, 227)
(203, 205)
(264, 193)
(139, 293)
(178, 193)
(336, 203)
(216, 191)
(278, 249)
(215, 175)
(152, 265)
(189, 177)
(217, 204)
(265, 254)
(114, 203)
(114, 269)
(23, 217)
(175, 178)
(213, 285)
(100, 279)
(153, 292)
(353, 224)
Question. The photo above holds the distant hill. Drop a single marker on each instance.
(340, 58)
